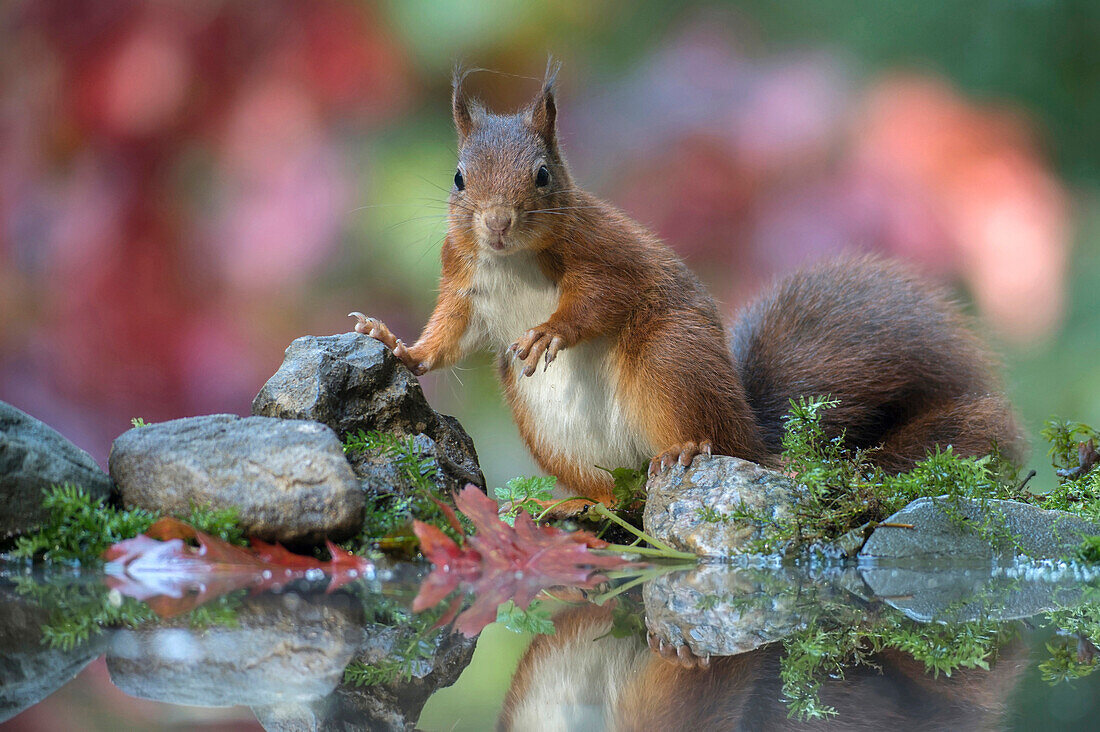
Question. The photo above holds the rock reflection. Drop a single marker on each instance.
(583, 678)
(287, 655)
(30, 669)
(278, 648)
(771, 647)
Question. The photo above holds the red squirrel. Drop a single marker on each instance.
(612, 353)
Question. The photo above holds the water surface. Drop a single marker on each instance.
(753, 646)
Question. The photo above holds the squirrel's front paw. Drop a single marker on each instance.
(534, 343)
(377, 329)
(683, 453)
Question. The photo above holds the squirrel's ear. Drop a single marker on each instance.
(543, 113)
(464, 110)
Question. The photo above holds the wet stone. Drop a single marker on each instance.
(288, 480)
(677, 498)
(283, 649)
(353, 382)
(949, 528)
(33, 457)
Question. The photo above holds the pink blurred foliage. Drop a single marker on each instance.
(978, 169)
(173, 179)
(754, 166)
(177, 181)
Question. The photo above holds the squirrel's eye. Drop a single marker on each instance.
(542, 178)
(460, 182)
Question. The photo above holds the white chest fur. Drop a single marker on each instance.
(573, 406)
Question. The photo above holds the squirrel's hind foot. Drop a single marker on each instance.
(683, 453)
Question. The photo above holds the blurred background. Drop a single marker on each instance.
(185, 187)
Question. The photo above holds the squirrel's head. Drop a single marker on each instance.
(511, 182)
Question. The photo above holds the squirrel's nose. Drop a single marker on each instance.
(498, 220)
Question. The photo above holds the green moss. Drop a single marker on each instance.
(1063, 438)
(80, 528)
(1089, 550)
(389, 513)
(1065, 663)
(1078, 489)
(843, 490)
(1073, 652)
(416, 642)
(76, 611)
(821, 651)
(220, 522)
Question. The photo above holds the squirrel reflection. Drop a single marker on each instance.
(582, 678)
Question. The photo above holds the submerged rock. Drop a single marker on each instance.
(693, 509)
(283, 649)
(288, 480)
(967, 528)
(33, 457)
(353, 382)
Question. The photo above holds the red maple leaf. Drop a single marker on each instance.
(162, 569)
(502, 562)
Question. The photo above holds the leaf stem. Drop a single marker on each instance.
(636, 579)
(601, 510)
(555, 504)
(648, 551)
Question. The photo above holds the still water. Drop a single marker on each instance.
(754, 646)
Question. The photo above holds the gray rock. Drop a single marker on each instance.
(288, 480)
(284, 649)
(976, 530)
(33, 457)
(353, 382)
(676, 498)
(30, 670)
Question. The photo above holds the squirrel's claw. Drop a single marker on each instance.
(683, 454)
(556, 344)
(535, 344)
(679, 654)
(377, 329)
(363, 321)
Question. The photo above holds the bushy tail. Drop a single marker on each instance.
(895, 351)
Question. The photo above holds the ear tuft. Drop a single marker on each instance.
(465, 111)
(544, 111)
